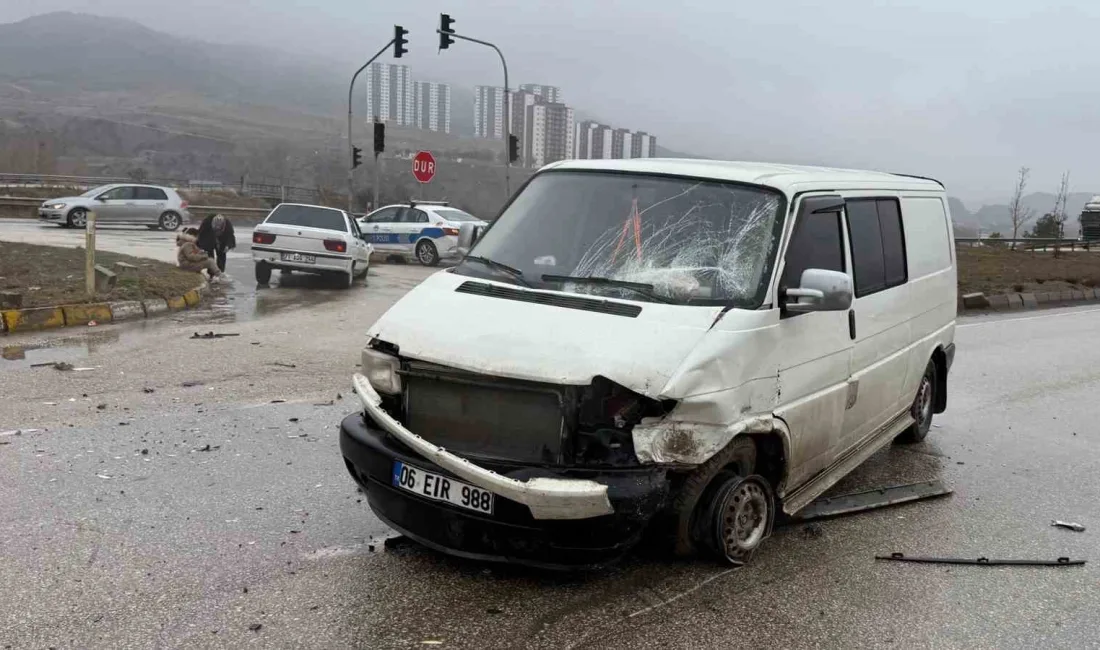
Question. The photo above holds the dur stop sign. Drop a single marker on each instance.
(424, 166)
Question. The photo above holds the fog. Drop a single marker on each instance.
(965, 94)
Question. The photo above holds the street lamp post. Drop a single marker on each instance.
(351, 147)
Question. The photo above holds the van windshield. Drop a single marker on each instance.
(648, 237)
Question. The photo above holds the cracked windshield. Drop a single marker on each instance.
(549, 324)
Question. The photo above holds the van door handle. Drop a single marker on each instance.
(852, 323)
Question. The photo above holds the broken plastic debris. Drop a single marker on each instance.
(255, 627)
(104, 476)
(211, 335)
(1068, 525)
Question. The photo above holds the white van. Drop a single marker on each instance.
(682, 346)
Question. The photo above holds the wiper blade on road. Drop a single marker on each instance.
(640, 288)
(500, 266)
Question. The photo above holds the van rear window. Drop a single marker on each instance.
(309, 217)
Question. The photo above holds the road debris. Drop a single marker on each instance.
(192, 383)
(293, 419)
(278, 401)
(17, 432)
(207, 447)
(104, 476)
(255, 627)
(1068, 525)
(147, 391)
(871, 500)
(283, 364)
(212, 335)
(56, 365)
(984, 561)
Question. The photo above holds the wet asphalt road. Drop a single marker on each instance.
(122, 531)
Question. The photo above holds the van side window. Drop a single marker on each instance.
(878, 244)
(816, 244)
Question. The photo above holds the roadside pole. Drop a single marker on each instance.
(89, 253)
(351, 146)
(375, 205)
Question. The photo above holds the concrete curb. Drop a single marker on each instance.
(974, 302)
(42, 318)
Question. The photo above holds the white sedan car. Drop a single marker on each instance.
(310, 239)
(425, 230)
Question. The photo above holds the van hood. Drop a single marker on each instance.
(508, 337)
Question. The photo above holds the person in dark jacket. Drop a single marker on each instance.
(216, 238)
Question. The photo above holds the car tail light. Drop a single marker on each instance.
(184, 205)
(263, 238)
(336, 245)
(450, 231)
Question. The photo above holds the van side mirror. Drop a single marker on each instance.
(468, 234)
(820, 290)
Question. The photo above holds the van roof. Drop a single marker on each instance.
(787, 178)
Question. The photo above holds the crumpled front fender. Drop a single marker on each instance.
(679, 442)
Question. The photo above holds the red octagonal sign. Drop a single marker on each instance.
(424, 166)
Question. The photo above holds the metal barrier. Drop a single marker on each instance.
(261, 190)
(200, 210)
(1025, 243)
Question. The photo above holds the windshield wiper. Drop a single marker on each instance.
(637, 287)
(500, 266)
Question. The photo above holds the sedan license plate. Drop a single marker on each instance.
(298, 257)
(441, 488)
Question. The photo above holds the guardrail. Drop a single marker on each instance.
(195, 210)
(261, 190)
(1026, 243)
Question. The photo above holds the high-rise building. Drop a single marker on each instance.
(643, 145)
(432, 106)
(548, 94)
(520, 101)
(390, 93)
(489, 112)
(548, 134)
(595, 140)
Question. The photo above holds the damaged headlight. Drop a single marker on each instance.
(381, 370)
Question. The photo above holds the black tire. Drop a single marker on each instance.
(169, 221)
(263, 273)
(689, 503)
(77, 218)
(348, 279)
(426, 253)
(923, 405)
(739, 517)
(153, 227)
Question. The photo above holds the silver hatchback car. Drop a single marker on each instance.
(151, 205)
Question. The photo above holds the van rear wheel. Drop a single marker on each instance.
(922, 408)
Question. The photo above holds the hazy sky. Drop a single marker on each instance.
(963, 90)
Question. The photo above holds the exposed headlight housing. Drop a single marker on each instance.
(381, 369)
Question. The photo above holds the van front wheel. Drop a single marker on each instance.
(741, 517)
(922, 408)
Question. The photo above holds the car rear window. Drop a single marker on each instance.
(454, 214)
(150, 194)
(309, 217)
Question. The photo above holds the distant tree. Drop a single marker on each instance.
(138, 174)
(1046, 227)
(1018, 213)
(1059, 211)
(994, 240)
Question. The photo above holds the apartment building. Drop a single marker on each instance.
(489, 112)
(548, 94)
(548, 134)
(594, 140)
(390, 93)
(432, 106)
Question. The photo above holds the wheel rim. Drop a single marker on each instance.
(922, 406)
(425, 254)
(744, 519)
(80, 218)
(171, 221)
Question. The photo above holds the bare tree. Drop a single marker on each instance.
(1018, 213)
(1059, 211)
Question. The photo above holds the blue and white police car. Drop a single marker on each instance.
(425, 230)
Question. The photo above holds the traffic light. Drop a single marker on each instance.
(445, 31)
(399, 41)
(379, 137)
(356, 157)
(513, 148)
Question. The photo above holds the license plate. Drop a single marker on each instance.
(298, 257)
(441, 488)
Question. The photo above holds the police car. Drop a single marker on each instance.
(425, 230)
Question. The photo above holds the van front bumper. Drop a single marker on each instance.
(513, 532)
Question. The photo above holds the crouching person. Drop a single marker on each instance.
(192, 258)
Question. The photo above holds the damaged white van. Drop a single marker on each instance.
(676, 346)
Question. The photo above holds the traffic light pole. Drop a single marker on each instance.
(507, 106)
(351, 147)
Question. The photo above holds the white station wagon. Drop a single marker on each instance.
(310, 239)
(686, 345)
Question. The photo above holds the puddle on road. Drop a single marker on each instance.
(68, 349)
